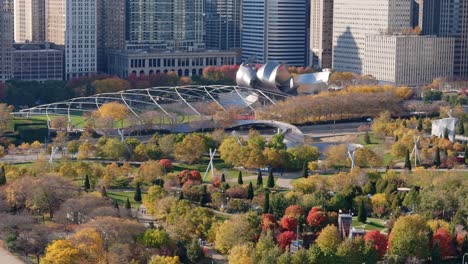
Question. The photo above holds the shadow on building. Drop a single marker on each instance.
(346, 53)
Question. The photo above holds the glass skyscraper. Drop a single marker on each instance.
(275, 30)
(223, 24)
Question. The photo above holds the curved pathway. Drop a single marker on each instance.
(8, 258)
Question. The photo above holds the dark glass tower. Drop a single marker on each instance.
(223, 24)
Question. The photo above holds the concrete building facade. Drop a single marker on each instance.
(29, 20)
(37, 62)
(353, 20)
(408, 59)
(165, 24)
(6, 39)
(55, 23)
(184, 63)
(275, 30)
(81, 38)
(321, 33)
(223, 24)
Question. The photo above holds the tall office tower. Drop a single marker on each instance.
(165, 24)
(80, 38)
(414, 13)
(321, 33)
(275, 30)
(429, 16)
(354, 19)
(6, 39)
(29, 20)
(110, 30)
(223, 24)
(448, 18)
(55, 14)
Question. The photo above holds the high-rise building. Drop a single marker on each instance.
(448, 18)
(6, 39)
(321, 33)
(81, 38)
(111, 32)
(163, 24)
(223, 24)
(408, 59)
(55, 14)
(29, 20)
(354, 19)
(275, 30)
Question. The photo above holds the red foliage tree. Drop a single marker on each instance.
(294, 211)
(317, 219)
(445, 242)
(285, 239)
(216, 182)
(289, 223)
(378, 240)
(268, 222)
(192, 176)
(237, 192)
(167, 164)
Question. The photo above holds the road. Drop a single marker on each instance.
(328, 130)
(7, 258)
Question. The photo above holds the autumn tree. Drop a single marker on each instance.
(241, 254)
(378, 241)
(445, 242)
(410, 238)
(112, 111)
(285, 239)
(61, 251)
(316, 218)
(150, 171)
(194, 251)
(289, 223)
(328, 240)
(110, 85)
(233, 232)
(191, 148)
(379, 203)
(41, 194)
(164, 260)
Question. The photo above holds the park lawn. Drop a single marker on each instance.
(374, 140)
(371, 224)
(121, 197)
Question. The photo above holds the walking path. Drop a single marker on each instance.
(8, 258)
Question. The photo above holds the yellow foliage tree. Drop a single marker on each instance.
(241, 254)
(90, 245)
(379, 202)
(114, 111)
(164, 260)
(59, 252)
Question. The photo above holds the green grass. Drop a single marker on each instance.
(371, 224)
(121, 197)
(374, 141)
